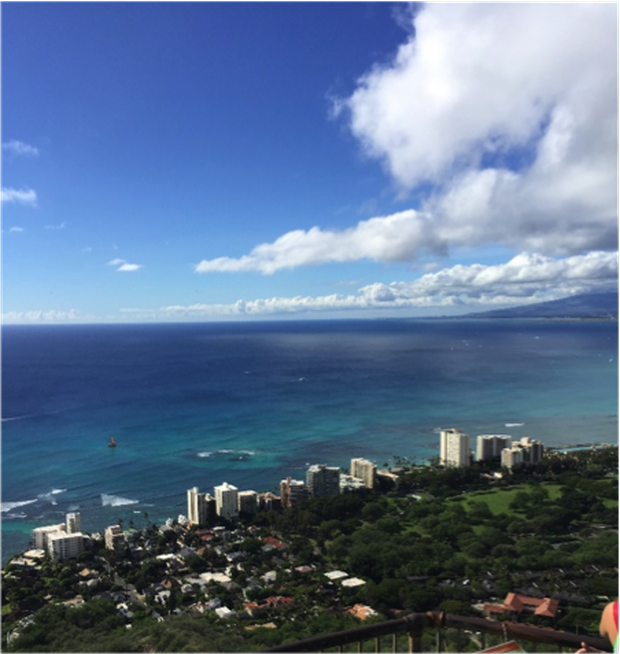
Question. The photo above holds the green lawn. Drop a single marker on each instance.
(499, 500)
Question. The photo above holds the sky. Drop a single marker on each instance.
(220, 161)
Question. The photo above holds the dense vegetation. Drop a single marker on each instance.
(444, 539)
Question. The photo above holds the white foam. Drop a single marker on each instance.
(514, 424)
(115, 500)
(207, 454)
(15, 516)
(9, 506)
(49, 497)
(29, 415)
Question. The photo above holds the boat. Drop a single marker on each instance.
(112, 442)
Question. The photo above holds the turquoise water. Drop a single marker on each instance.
(253, 403)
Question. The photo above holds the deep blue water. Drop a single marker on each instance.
(251, 403)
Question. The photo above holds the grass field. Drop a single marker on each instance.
(498, 500)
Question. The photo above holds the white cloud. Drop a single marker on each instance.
(506, 113)
(510, 111)
(20, 149)
(59, 226)
(394, 238)
(19, 196)
(129, 267)
(524, 279)
(124, 266)
(72, 315)
(16, 229)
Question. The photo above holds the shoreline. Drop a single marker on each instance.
(400, 463)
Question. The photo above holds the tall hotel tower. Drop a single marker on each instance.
(491, 446)
(322, 480)
(226, 501)
(364, 470)
(198, 505)
(454, 448)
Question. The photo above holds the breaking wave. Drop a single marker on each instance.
(50, 497)
(116, 500)
(514, 424)
(9, 506)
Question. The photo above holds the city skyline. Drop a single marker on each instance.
(220, 161)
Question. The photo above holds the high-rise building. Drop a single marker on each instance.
(40, 535)
(226, 502)
(62, 545)
(247, 502)
(292, 492)
(73, 522)
(491, 446)
(454, 448)
(525, 451)
(322, 480)
(511, 457)
(114, 538)
(364, 470)
(533, 450)
(200, 507)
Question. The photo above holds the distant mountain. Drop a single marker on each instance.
(585, 306)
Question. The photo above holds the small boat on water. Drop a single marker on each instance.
(112, 442)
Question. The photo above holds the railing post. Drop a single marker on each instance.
(415, 628)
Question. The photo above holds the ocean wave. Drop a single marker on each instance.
(514, 424)
(116, 500)
(233, 455)
(15, 516)
(49, 497)
(9, 506)
(17, 418)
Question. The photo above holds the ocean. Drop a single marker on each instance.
(252, 403)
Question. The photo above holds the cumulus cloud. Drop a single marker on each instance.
(124, 266)
(19, 196)
(20, 149)
(510, 111)
(502, 117)
(128, 267)
(394, 238)
(524, 279)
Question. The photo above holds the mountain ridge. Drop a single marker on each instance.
(585, 306)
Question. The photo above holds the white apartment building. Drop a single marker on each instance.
(61, 545)
(114, 537)
(511, 457)
(526, 450)
(322, 480)
(40, 535)
(454, 448)
(247, 502)
(491, 446)
(198, 507)
(226, 501)
(364, 470)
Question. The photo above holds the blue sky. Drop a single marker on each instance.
(208, 161)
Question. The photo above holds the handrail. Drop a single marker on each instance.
(415, 623)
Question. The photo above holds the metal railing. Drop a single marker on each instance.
(415, 624)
